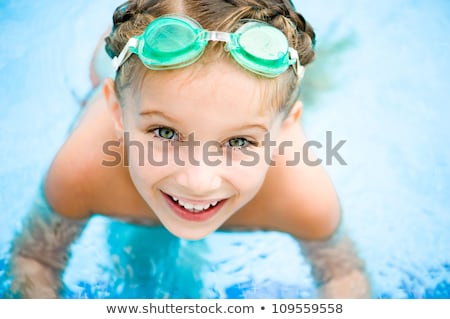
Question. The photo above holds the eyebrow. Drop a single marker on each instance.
(151, 113)
(253, 126)
(158, 113)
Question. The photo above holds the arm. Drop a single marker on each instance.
(40, 252)
(313, 214)
(337, 269)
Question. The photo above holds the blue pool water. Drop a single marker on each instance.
(381, 82)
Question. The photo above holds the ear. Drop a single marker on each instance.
(294, 115)
(109, 92)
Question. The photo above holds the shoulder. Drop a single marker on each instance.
(307, 205)
(75, 174)
(304, 203)
(297, 199)
(69, 182)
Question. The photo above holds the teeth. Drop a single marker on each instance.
(186, 205)
(194, 208)
(201, 207)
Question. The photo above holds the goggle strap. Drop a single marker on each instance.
(294, 58)
(125, 54)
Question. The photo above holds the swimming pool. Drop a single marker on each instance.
(381, 82)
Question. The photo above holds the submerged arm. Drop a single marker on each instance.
(309, 209)
(337, 269)
(40, 253)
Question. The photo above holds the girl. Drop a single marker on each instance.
(189, 136)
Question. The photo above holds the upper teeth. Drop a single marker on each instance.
(194, 208)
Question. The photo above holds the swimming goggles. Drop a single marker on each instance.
(172, 42)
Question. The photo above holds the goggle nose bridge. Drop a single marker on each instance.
(218, 36)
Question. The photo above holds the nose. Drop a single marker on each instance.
(198, 177)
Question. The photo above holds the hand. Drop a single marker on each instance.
(337, 268)
(35, 280)
(354, 285)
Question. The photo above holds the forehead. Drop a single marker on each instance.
(214, 82)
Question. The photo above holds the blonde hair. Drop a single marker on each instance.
(132, 17)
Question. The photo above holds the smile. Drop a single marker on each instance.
(193, 210)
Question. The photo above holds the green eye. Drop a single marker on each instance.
(238, 142)
(166, 133)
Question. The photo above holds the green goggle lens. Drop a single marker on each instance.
(171, 42)
(168, 44)
(261, 48)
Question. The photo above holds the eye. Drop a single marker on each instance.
(166, 133)
(238, 142)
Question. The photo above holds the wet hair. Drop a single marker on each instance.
(132, 17)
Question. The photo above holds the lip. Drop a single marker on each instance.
(190, 216)
(196, 201)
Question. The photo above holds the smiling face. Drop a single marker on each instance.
(200, 131)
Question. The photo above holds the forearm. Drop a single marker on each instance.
(40, 253)
(337, 268)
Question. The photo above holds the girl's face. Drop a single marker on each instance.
(195, 140)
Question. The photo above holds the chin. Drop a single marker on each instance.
(187, 235)
(194, 233)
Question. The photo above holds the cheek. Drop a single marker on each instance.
(142, 177)
(248, 176)
(141, 160)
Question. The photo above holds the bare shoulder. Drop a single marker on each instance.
(297, 199)
(79, 183)
(73, 176)
(307, 205)
(66, 185)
